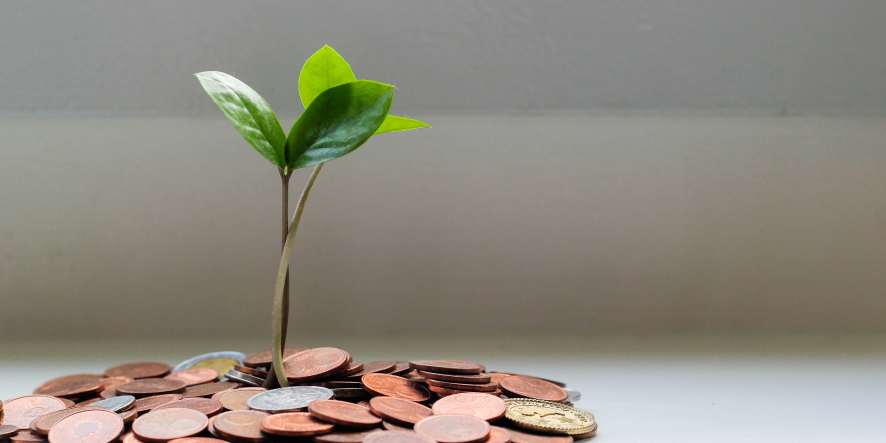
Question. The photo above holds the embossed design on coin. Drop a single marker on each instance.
(401, 412)
(145, 369)
(151, 386)
(117, 404)
(146, 404)
(242, 426)
(288, 399)
(498, 435)
(208, 389)
(446, 366)
(525, 436)
(294, 424)
(394, 386)
(22, 411)
(263, 358)
(87, 427)
(235, 400)
(343, 413)
(220, 361)
(530, 387)
(314, 364)
(548, 416)
(483, 406)
(453, 429)
(194, 376)
(167, 424)
(43, 424)
(397, 437)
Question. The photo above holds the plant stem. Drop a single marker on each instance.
(284, 179)
(281, 316)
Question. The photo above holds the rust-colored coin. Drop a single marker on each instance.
(151, 386)
(397, 437)
(235, 399)
(375, 367)
(294, 424)
(145, 369)
(196, 440)
(353, 368)
(531, 387)
(453, 429)
(43, 424)
(22, 411)
(208, 389)
(87, 427)
(498, 435)
(206, 406)
(484, 387)
(457, 378)
(394, 386)
(196, 376)
(391, 426)
(7, 431)
(108, 393)
(146, 404)
(401, 412)
(28, 437)
(244, 426)
(315, 364)
(483, 406)
(70, 389)
(251, 371)
(524, 436)
(167, 424)
(264, 358)
(558, 383)
(343, 413)
(401, 368)
(446, 366)
(349, 436)
(496, 377)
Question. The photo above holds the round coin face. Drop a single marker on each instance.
(446, 366)
(194, 376)
(240, 425)
(289, 399)
(22, 411)
(143, 405)
(48, 386)
(453, 429)
(73, 388)
(498, 435)
(207, 406)
(117, 404)
(145, 369)
(397, 437)
(486, 387)
(208, 389)
(458, 378)
(7, 431)
(399, 411)
(294, 424)
(43, 424)
(314, 364)
(395, 386)
(151, 386)
(264, 358)
(220, 361)
(167, 424)
(343, 413)
(530, 387)
(548, 416)
(375, 366)
(526, 436)
(235, 399)
(87, 427)
(483, 406)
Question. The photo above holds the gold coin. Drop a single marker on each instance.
(547, 416)
(222, 365)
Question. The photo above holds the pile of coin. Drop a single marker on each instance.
(218, 397)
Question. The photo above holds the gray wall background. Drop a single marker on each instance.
(594, 167)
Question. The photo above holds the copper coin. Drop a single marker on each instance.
(68, 403)
(558, 383)
(314, 364)
(498, 435)
(128, 416)
(28, 437)
(483, 406)
(110, 382)
(401, 412)
(375, 366)
(343, 413)
(87, 427)
(397, 437)
(446, 366)
(443, 392)
(196, 440)
(524, 436)
(108, 393)
(151, 386)
(338, 436)
(235, 399)
(147, 369)
(196, 376)
(363, 403)
(252, 371)
(265, 358)
(89, 402)
(530, 387)
(391, 426)
(43, 424)
(70, 389)
(485, 387)
(7, 431)
(65, 379)
(129, 437)
(353, 368)
(294, 424)
(208, 389)
(341, 384)
(458, 378)
(167, 424)
(211, 428)
(22, 411)
(400, 368)
(482, 368)
(453, 429)
(206, 406)
(242, 426)
(394, 386)
(496, 377)
(146, 404)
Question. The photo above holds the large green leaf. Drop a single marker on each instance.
(393, 123)
(325, 69)
(249, 113)
(337, 122)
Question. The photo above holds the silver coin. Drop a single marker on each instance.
(116, 404)
(246, 379)
(233, 355)
(574, 395)
(289, 399)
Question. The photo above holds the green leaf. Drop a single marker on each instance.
(337, 122)
(325, 69)
(393, 123)
(249, 113)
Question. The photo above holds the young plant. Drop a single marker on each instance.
(341, 113)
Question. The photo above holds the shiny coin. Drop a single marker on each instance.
(209, 389)
(87, 427)
(399, 411)
(26, 436)
(530, 387)
(147, 369)
(129, 437)
(498, 435)
(446, 366)
(484, 387)
(558, 383)
(343, 413)
(547, 416)
(394, 386)
(289, 399)
(339, 436)
(589, 434)
(527, 436)
(483, 406)
(315, 364)
(163, 425)
(22, 411)
(43, 424)
(397, 437)
(235, 400)
(143, 405)
(458, 378)
(453, 429)
(264, 358)
(71, 389)
(7, 431)
(206, 406)
(220, 361)
(151, 386)
(117, 404)
(574, 395)
(194, 376)
(244, 378)
(294, 424)
(375, 366)
(243, 426)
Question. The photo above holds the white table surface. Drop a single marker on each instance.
(671, 389)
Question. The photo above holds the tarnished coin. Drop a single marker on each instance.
(574, 395)
(453, 429)
(208, 389)
(43, 424)
(400, 368)
(391, 426)
(353, 368)
(220, 361)
(60, 380)
(71, 389)
(337, 384)
(7, 431)
(264, 358)
(235, 399)
(87, 427)
(483, 406)
(458, 378)
(143, 405)
(530, 387)
(22, 411)
(26, 436)
(548, 416)
(163, 425)
(527, 436)
(496, 377)
(252, 371)
(194, 376)
(343, 413)
(294, 424)
(375, 366)
(243, 426)
(246, 379)
(145, 369)
(397, 437)
(498, 435)
(206, 406)
(151, 386)
(112, 382)
(315, 364)
(338, 436)
(446, 366)
(395, 386)
(484, 387)
(117, 404)
(399, 411)
(291, 399)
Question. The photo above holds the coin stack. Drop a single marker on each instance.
(218, 397)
